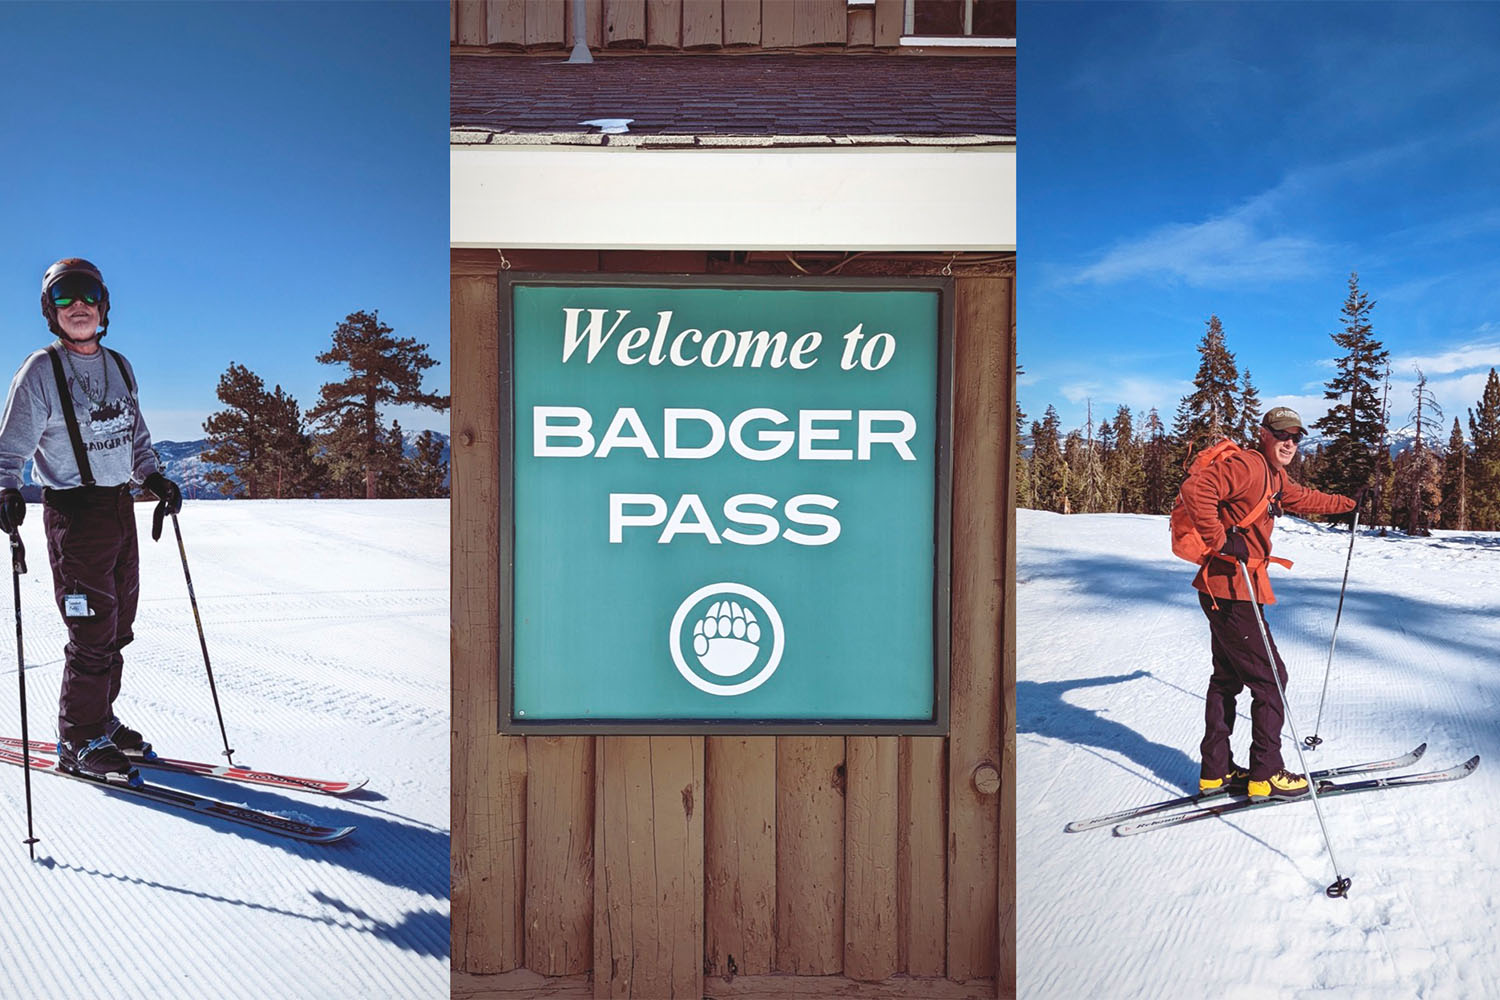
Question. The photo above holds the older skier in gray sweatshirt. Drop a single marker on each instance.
(73, 408)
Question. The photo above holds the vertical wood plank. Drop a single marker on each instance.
(922, 856)
(1005, 973)
(739, 855)
(471, 22)
(664, 24)
(505, 22)
(777, 29)
(819, 22)
(559, 854)
(648, 867)
(809, 855)
(453, 21)
(890, 21)
(742, 22)
(861, 26)
(488, 777)
(544, 22)
(624, 22)
(870, 838)
(981, 354)
(702, 23)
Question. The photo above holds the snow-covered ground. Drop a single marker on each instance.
(1113, 665)
(327, 625)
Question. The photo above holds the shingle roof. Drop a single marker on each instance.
(868, 97)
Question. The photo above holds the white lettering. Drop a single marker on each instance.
(619, 520)
(638, 438)
(805, 344)
(896, 439)
(572, 338)
(807, 433)
(781, 441)
(689, 503)
(543, 431)
(672, 417)
(734, 510)
(797, 515)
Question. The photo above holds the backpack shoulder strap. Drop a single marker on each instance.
(120, 364)
(85, 473)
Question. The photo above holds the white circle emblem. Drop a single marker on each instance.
(728, 638)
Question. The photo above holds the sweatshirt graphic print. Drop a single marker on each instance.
(114, 435)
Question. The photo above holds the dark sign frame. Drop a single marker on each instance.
(937, 723)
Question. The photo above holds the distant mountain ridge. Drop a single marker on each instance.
(182, 462)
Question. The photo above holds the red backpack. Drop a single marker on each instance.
(1186, 542)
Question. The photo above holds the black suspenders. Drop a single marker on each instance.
(80, 455)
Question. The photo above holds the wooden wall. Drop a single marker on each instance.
(657, 861)
(677, 24)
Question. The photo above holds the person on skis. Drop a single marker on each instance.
(73, 408)
(1217, 500)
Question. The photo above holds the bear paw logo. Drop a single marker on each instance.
(727, 639)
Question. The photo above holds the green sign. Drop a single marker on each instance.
(724, 504)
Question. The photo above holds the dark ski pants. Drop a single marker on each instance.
(92, 545)
(1239, 658)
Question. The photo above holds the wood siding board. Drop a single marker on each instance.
(702, 23)
(777, 28)
(471, 22)
(742, 25)
(624, 23)
(861, 27)
(922, 842)
(739, 855)
(488, 778)
(980, 437)
(544, 22)
(654, 261)
(648, 859)
(819, 22)
(810, 854)
(890, 21)
(505, 22)
(870, 867)
(559, 854)
(664, 23)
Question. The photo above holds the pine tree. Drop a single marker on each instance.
(1424, 474)
(1211, 410)
(1415, 498)
(1049, 474)
(427, 470)
(1484, 434)
(1157, 489)
(1247, 432)
(1455, 510)
(1023, 467)
(383, 370)
(1354, 424)
(1125, 465)
(237, 435)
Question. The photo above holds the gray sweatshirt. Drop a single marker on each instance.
(114, 433)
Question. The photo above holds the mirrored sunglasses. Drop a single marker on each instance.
(72, 288)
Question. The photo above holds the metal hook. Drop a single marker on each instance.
(504, 264)
(948, 267)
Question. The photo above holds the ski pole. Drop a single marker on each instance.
(1313, 740)
(193, 599)
(1339, 888)
(17, 567)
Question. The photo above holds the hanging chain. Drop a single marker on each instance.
(83, 383)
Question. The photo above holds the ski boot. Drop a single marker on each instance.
(1233, 782)
(127, 740)
(1282, 784)
(98, 759)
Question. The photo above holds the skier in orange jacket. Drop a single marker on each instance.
(1217, 499)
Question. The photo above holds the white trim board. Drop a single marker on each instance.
(894, 198)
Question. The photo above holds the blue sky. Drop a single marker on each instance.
(245, 175)
(1182, 160)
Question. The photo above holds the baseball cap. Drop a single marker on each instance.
(1282, 418)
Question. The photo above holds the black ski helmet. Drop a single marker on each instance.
(73, 265)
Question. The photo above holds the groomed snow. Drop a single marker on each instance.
(327, 624)
(1113, 665)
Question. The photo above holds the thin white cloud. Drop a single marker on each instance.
(1484, 355)
(1241, 246)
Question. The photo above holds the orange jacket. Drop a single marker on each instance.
(1226, 491)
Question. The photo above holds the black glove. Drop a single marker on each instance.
(12, 510)
(1235, 548)
(1347, 517)
(170, 498)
